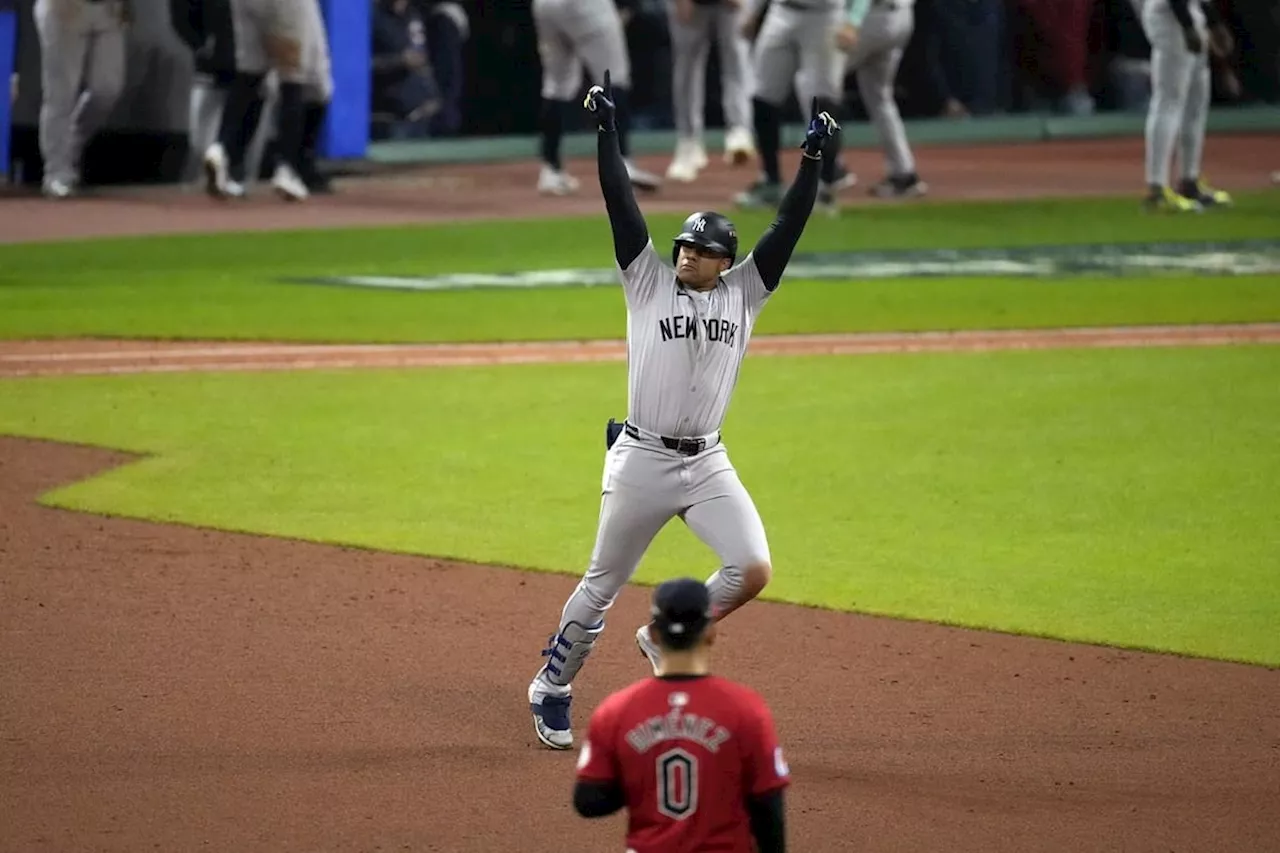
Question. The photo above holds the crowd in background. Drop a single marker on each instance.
(966, 58)
(433, 70)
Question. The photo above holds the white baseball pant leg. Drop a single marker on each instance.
(82, 75)
(1173, 69)
(875, 58)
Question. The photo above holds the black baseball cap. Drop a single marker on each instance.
(681, 611)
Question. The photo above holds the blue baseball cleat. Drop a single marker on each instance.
(550, 716)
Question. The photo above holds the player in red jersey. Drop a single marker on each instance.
(692, 756)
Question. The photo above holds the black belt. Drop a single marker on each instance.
(683, 446)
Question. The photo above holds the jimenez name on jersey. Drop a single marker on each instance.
(677, 725)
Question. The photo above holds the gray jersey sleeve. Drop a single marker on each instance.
(745, 277)
(642, 278)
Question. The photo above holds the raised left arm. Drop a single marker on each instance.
(773, 251)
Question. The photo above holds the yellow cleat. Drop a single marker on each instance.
(1205, 194)
(1168, 201)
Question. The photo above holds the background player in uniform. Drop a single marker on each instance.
(873, 39)
(317, 92)
(573, 33)
(269, 35)
(687, 332)
(694, 758)
(694, 25)
(81, 77)
(795, 47)
(1180, 32)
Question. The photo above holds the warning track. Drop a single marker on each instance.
(107, 357)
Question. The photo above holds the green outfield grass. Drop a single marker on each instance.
(228, 286)
(1128, 497)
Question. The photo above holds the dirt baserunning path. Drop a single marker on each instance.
(51, 358)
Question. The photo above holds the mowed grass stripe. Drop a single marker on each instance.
(1123, 497)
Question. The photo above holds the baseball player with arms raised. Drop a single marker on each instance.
(687, 332)
(694, 758)
(1181, 32)
(873, 39)
(573, 33)
(693, 25)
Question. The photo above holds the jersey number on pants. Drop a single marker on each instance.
(677, 784)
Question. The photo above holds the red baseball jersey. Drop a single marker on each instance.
(687, 752)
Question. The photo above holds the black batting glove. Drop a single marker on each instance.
(821, 128)
(599, 102)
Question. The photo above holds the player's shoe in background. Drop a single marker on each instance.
(826, 201)
(642, 180)
(763, 193)
(550, 708)
(288, 185)
(1200, 191)
(648, 647)
(56, 189)
(739, 146)
(900, 186)
(844, 179)
(552, 181)
(1165, 200)
(690, 159)
(218, 183)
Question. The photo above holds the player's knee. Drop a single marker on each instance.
(755, 577)
(600, 591)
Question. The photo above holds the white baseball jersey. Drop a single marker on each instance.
(685, 347)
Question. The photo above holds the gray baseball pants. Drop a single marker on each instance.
(875, 59)
(796, 48)
(1178, 114)
(690, 45)
(82, 60)
(573, 33)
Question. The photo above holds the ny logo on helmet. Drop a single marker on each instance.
(700, 225)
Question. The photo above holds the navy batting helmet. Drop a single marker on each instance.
(708, 230)
(681, 611)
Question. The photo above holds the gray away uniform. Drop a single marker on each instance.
(1180, 91)
(721, 22)
(286, 37)
(269, 34)
(684, 352)
(796, 48)
(884, 28)
(571, 34)
(82, 55)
